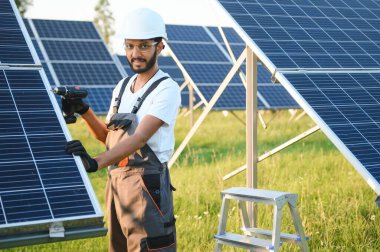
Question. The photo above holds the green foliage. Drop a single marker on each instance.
(104, 20)
(23, 5)
(336, 205)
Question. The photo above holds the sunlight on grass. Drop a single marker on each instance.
(336, 205)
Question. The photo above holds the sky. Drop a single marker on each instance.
(191, 12)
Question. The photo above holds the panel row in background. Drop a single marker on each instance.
(202, 53)
(73, 54)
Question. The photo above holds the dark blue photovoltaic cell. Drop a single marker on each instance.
(187, 33)
(349, 103)
(23, 206)
(76, 50)
(174, 73)
(62, 173)
(13, 46)
(166, 61)
(87, 74)
(99, 99)
(312, 34)
(195, 52)
(65, 29)
(210, 73)
(28, 79)
(33, 162)
(62, 200)
(277, 96)
(5, 7)
(233, 98)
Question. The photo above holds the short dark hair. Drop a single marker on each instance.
(158, 39)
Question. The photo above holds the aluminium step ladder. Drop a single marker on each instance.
(256, 239)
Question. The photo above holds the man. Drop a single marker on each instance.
(140, 140)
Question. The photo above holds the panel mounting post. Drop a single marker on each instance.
(251, 129)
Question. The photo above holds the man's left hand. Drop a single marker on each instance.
(76, 148)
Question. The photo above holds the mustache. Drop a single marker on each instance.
(138, 59)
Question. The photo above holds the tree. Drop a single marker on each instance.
(104, 20)
(23, 5)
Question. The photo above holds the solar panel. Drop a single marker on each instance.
(204, 56)
(312, 34)
(40, 185)
(344, 102)
(348, 106)
(76, 55)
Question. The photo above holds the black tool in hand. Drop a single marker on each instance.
(71, 99)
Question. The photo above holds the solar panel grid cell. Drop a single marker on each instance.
(5, 7)
(196, 52)
(14, 48)
(65, 29)
(277, 96)
(187, 33)
(100, 99)
(76, 50)
(87, 74)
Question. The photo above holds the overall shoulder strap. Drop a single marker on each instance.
(141, 99)
(118, 98)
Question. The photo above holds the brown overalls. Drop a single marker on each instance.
(139, 193)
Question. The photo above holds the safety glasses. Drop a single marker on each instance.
(144, 47)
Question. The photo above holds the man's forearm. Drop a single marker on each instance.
(97, 128)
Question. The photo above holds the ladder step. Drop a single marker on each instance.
(244, 241)
(257, 193)
(268, 234)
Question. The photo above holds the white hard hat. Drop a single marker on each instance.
(144, 23)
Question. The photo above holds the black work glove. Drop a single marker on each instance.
(74, 105)
(76, 148)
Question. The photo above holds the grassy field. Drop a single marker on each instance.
(336, 205)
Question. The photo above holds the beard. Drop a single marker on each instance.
(149, 64)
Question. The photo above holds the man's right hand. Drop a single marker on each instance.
(74, 105)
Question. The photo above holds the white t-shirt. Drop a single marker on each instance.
(163, 102)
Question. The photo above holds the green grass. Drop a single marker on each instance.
(336, 205)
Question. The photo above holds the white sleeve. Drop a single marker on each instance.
(166, 103)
